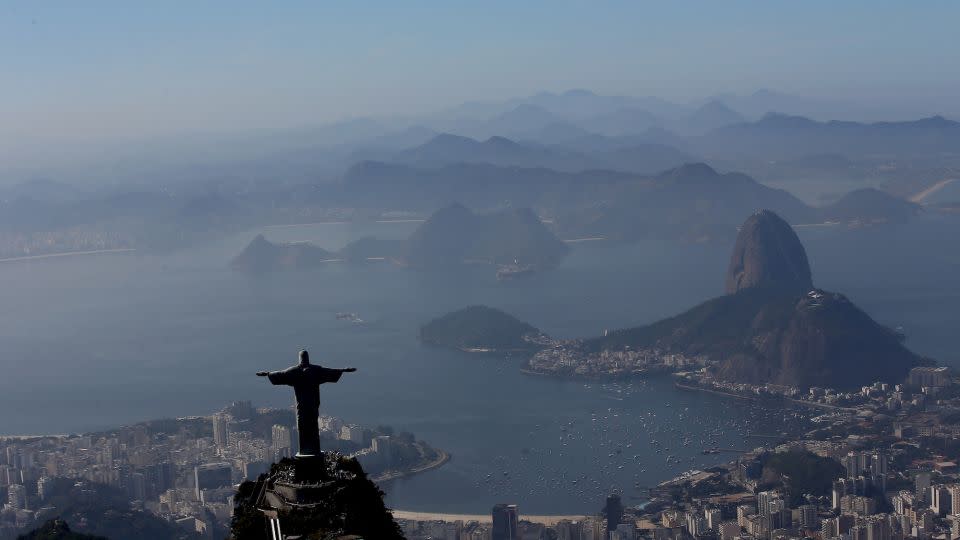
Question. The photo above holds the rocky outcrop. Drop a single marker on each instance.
(773, 326)
(454, 235)
(262, 255)
(817, 339)
(768, 254)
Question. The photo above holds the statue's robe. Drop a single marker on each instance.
(306, 381)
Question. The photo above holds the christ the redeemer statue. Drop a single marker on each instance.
(306, 378)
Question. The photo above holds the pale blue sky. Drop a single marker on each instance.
(100, 68)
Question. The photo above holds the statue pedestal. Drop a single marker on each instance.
(313, 494)
(310, 469)
(303, 481)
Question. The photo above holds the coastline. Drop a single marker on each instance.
(482, 518)
(751, 398)
(483, 350)
(32, 437)
(597, 378)
(533, 373)
(441, 460)
(711, 391)
(67, 254)
(585, 239)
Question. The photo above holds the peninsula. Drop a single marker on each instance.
(772, 327)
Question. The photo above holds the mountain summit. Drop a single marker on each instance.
(772, 326)
(768, 254)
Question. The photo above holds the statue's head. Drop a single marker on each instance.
(304, 358)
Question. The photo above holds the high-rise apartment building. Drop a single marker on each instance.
(212, 476)
(220, 430)
(506, 520)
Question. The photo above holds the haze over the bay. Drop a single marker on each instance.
(694, 263)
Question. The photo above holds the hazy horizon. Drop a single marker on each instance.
(107, 70)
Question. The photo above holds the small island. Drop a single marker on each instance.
(483, 329)
(262, 255)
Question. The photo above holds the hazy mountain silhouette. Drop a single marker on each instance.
(712, 115)
(870, 205)
(454, 235)
(559, 133)
(261, 255)
(764, 100)
(520, 121)
(627, 121)
(778, 136)
(692, 201)
(373, 184)
(447, 149)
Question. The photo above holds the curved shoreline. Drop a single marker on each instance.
(482, 518)
(442, 459)
(758, 398)
(600, 378)
(711, 391)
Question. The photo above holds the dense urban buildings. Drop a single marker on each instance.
(184, 471)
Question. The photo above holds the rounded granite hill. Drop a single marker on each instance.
(768, 254)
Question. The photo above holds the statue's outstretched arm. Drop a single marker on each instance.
(263, 373)
(348, 370)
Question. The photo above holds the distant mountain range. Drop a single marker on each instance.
(322, 152)
(712, 115)
(593, 163)
(779, 136)
(692, 201)
(576, 154)
(447, 149)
